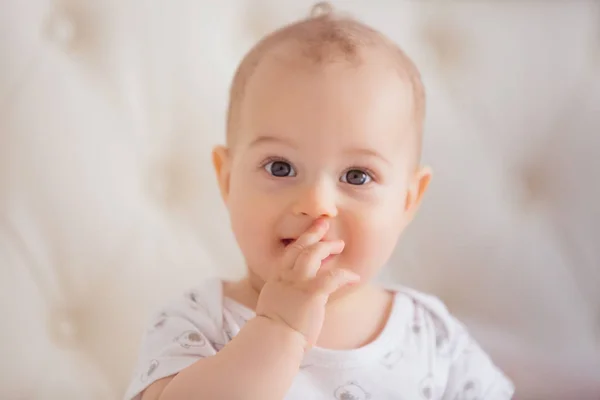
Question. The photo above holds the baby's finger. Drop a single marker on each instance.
(309, 261)
(334, 279)
(313, 235)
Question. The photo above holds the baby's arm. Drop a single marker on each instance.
(264, 357)
(259, 363)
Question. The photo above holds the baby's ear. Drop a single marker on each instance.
(418, 185)
(222, 164)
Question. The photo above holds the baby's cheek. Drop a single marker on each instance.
(371, 243)
(248, 224)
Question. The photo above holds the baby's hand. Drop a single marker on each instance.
(297, 292)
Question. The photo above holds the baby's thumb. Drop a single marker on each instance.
(330, 281)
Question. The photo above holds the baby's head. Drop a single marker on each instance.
(325, 120)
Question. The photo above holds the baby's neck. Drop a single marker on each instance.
(357, 320)
(351, 321)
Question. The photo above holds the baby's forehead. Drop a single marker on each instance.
(316, 45)
(367, 84)
(293, 55)
(365, 105)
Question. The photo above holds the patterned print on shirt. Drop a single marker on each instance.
(392, 358)
(149, 371)
(191, 339)
(471, 390)
(193, 299)
(161, 320)
(417, 318)
(427, 388)
(351, 391)
(442, 337)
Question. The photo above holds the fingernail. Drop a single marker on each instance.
(321, 223)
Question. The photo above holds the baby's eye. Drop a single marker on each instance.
(356, 177)
(280, 169)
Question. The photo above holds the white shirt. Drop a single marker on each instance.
(423, 353)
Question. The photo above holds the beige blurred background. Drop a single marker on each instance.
(108, 205)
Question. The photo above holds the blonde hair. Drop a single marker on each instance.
(325, 37)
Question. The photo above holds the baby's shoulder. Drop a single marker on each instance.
(200, 306)
(429, 314)
(423, 300)
(469, 370)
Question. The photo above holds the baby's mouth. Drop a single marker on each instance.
(287, 241)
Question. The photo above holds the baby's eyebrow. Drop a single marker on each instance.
(263, 139)
(369, 153)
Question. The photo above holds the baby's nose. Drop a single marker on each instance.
(318, 200)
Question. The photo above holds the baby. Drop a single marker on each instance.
(321, 173)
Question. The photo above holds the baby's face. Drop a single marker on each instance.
(321, 142)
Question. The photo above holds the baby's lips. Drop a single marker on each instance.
(288, 241)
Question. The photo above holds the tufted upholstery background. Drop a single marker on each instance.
(108, 205)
